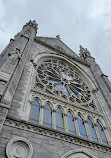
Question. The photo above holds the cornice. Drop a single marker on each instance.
(53, 133)
(50, 46)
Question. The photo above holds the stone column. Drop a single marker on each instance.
(76, 126)
(41, 115)
(65, 123)
(53, 119)
(87, 129)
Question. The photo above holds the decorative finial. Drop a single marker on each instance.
(58, 36)
(32, 24)
(84, 52)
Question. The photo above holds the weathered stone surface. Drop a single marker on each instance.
(18, 73)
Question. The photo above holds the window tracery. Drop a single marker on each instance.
(72, 124)
(60, 79)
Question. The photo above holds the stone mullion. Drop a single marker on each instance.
(65, 123)
(53, 119)
(41, 115)
(87, 129)
(97, 132)
(76, 126)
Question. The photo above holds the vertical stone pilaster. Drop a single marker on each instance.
(65, 123)
(53, 119)
(87, 129)
(3, 114)
(17, 57)
(41, 115)
(76, 126)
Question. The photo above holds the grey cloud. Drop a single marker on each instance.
(78, 22)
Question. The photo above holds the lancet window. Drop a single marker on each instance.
(70, 123)
(47, 116)
(34, 112)
(59, 119)
(81, 127)
(102, 134)
(48, 119)
(92, 130)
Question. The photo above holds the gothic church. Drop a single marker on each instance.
(53, 103)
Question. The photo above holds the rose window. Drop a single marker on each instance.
(58, 78)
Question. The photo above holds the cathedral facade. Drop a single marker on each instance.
(53, 103)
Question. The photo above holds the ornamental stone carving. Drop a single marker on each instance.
(58, 78)
(19, 148)
(78, 153)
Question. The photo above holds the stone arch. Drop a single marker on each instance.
(71, 111)
(48, 102)
(62, 109)
(81, 71)
(82, 116)
(78, 153)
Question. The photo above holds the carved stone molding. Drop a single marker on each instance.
(74, 139)
(78, 153)
(19, 148)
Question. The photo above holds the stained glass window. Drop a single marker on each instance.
(92, 130)
(64, 82)
(47, 117)
(34, 112)
(81, 127)
(102, 134)
(70, 123)
(59, 120)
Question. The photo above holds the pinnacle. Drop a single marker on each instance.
(31, 24)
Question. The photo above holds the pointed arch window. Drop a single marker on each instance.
(81, 127)
(92, 130)
(34, 112)
(70, 123)
(102, 134)
(47, 117)
(59, 119)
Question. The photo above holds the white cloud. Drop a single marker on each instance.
(84, 22)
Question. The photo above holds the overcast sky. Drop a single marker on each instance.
(78, 22)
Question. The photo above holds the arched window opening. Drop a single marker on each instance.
(70, 123)
(81, 127)
(102, 134)
(59, 120)
(92, 130)
(47, 117)
(34, 112)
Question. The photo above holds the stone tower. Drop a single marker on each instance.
(53, 103)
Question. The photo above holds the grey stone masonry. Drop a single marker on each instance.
(11, 70)
(31, 68)
(102, 81)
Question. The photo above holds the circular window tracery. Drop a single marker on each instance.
(58, 78)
